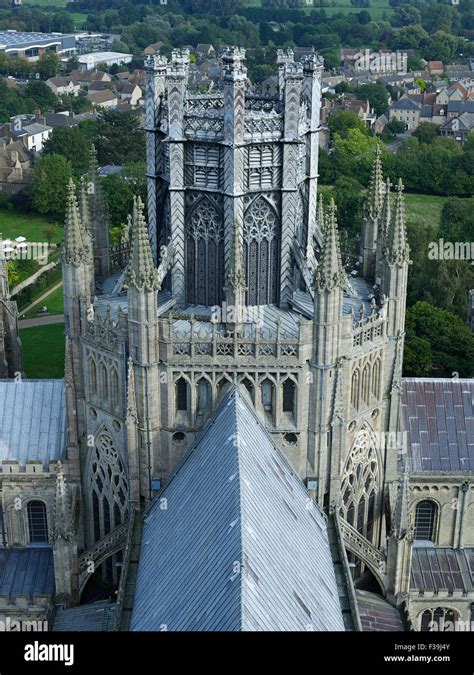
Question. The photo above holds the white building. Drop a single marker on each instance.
(92, 60)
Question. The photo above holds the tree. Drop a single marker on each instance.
(120, 139)
(49, 185)
(47, 65)
(442, 46)
(426, 132)
(119, 190)
(353, 155)
(410, 37)
(393, 128)
(377, 95)
(406, 15)
(437, 343)
(73, 143)
(349, 197)
(49, 232)
(41, 94)
(341, 121)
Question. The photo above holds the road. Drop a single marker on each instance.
(41, 321)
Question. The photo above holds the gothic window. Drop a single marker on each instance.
(376, 379)
(365, 384)
(261, 253)
(115, 389)
(37, 522)
(439, 616)
(425, 517)
(104, 383)
(355, 389)
(289, 388)
(268, 398)
(205, 163)
(203, 396)
(93, 377)
(108, 487)
(205, 255)
(360, 485)
(181, 395)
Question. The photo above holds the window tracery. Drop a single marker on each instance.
(261, 252)
(205, 254)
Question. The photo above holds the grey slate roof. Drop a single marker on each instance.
(26, 571)
(234, 501)
(32, 420)
(434, 569)
(405, 104)
(439, 419)
(96, 617)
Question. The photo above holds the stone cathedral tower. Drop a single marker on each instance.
(236, 281)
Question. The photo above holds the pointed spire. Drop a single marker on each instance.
(386, 214)
(401, 518)
(75, 249)
(398, 251)
(131, 396)
(84, 206)
(376, 188)
(141, 271)
(330, 273)
(97, 202)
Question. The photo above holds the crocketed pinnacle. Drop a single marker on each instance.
(401, 520)
(398, 251)
(75, 249)
(84, 206)
(386, 215)
(376, 188)
(141, 271)
(330, 271)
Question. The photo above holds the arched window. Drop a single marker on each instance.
(261, 253)
(103, 382)
(360, 485)
(115, 389)
(181, 395)
(205, 255)
(93, 377)
(108, 487)
(376, 379)
(288, 402)
(37, 522)
(268, 397)
(355, 389)
(365, 384)
(425, 517)
(437, 619)
(203, 396)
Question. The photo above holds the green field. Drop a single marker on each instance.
(423, 209)
(376, 9)
(54, 302)
(46, 3)
(79, 19)
(15, 224)
(43, 351)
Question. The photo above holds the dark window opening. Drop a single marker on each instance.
(425, 520)
(181, 394)
(288, 396)
(37, 522)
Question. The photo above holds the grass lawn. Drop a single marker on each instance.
(43, 351)
(46, 3)
(423, 209)
(54, 302)
(15, 223)
(376, 9)
(79, 19)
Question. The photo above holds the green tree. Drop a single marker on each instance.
(410, 37)
(119, 190)
(349, 197)
(426, 132)
(341, 121)
(353, 155)
(73, 143)
(120, 139)
(377, 95)
(49, 185)
(49, 232)
(406, 15)
(41, 94)
(47, 65)
(437, 343)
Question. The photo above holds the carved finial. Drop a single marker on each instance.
(141, 271)
(75, 249)
(397, 250)
(330, 273)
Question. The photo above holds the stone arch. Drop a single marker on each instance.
(204, 254)
(261, 253)
(426, 523)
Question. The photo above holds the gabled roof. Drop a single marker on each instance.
(32, 420)
(102, 96)
(95, 617)
(439, 420)
(239, 546)
(405, 104)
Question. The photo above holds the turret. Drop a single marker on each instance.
(76, 259)
(384, 225)
(143, 286)
(99, 225)
(64, 542)
(400, 544)
(329, 282)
